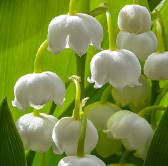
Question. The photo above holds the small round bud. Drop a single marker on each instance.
(66, 136)
(87, 160)
(76, 32)
(36, 131)
(134, 19)
(136, 95)
(99, 113)
(134, 131)
(37, 89)
(156, 66)
(142, 45)
(119, 68)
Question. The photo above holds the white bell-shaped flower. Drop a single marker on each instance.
(74, 31)
(119, 68)
(66, 135)
(136, 95)
(37, 89)
(156, 66)
(87, 160)
(142, 45)
(134, 19)
(134, 131)
(36, 131)
(99, 113)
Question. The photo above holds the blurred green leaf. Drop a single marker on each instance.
(11, 149)
(158, 150)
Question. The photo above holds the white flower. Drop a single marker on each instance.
(156, 66)
(134, 131)
(136, 95)
(36, 131)
(76, 32)
(119, 68)
(66, 135)
(37, 89)
(134, 19)
(87, 160)
(99, 113)
(142, 45)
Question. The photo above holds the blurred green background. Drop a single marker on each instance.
(23, 27)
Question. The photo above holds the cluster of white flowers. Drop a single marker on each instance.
(120, 68)
(134, 21)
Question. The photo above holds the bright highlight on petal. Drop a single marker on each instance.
(87, 160)
(36, 131)
(142, 45)
(119, 68)
(77, 32)
(134, 131)
(37, 89)
(156, 66)
(66, 135)
(134, 19)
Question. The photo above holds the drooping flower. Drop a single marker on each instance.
(142, 45)
(134, 19)
(36, 131)
(119, 68)
(99, 113)
(134, 131)
(74, 31)
(87, 160)
(37, 89)
(156, 66)
(136, 95)
(66, 135)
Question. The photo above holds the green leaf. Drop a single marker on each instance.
(11, 149)
(158, 150)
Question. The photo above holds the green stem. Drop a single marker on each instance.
(111, 33)
(81, 142)
(154, 91)
(106, 94)
(158, 27)
(160, 96)
(124, 157)
(36, 112)
(30, 157)
(37, 62)
(43, 159)
(80, 65)
(72, 5)
(52, 108)
(151, 108)
(76, 111)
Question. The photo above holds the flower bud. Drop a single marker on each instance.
(142, 45)
(66, 136)
(74, 31)
(37, 89)
(156, 66)
(36, 131)
(99, 113)
(87, 160)
(134, 19)
(119, 68)
(136, 95)
(134, 131)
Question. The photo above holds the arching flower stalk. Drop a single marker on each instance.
(120, 68)
(67, 130)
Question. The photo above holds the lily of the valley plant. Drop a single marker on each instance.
(125, 71)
